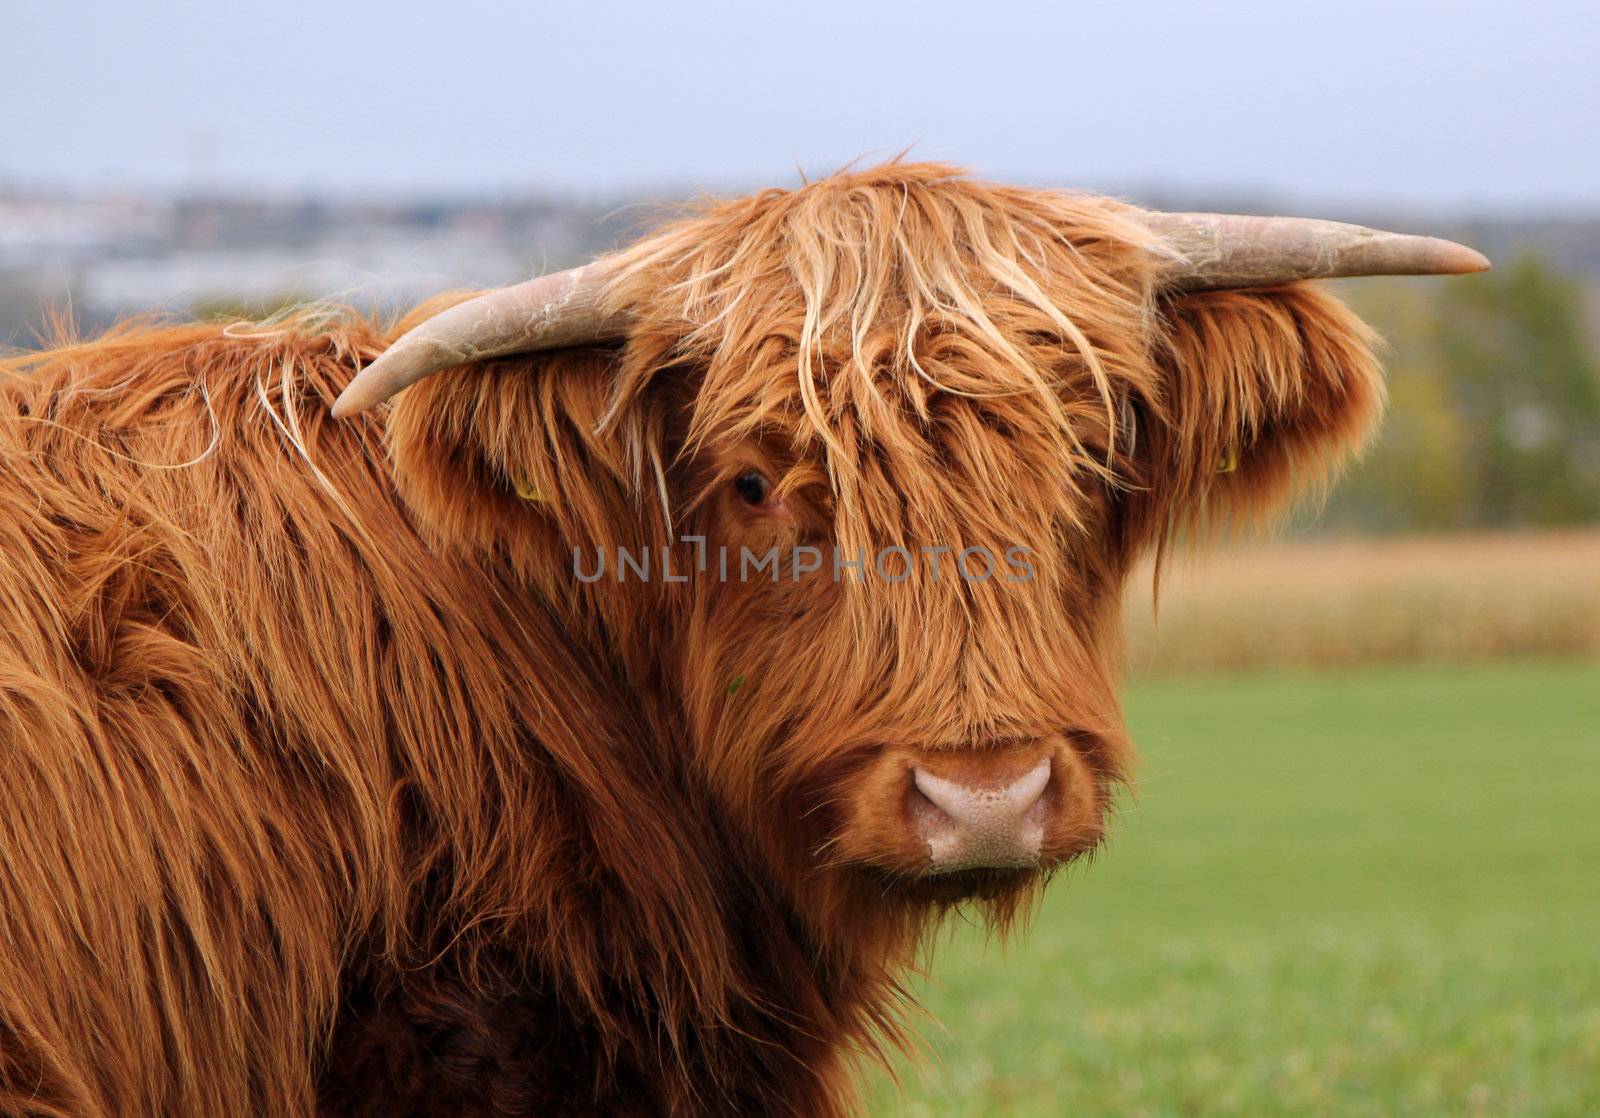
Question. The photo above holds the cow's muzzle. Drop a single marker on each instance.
(1013, 806)
(991, 824)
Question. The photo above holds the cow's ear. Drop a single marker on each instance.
(504, 457)
(1263, 394)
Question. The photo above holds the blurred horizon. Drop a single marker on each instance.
(663, 192)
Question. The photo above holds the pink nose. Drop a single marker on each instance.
(983, 827)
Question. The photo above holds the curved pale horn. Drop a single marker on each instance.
(1231, 250)
(550, 312)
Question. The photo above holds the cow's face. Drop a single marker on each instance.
(902, 671)
(898, 643)
(906, 435)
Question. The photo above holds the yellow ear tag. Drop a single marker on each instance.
(529, 493)
(1230, 461)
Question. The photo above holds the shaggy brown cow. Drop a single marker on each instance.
(332, 782)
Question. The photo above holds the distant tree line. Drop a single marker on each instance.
(1494, 417)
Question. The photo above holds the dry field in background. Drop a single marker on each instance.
(1324, 602)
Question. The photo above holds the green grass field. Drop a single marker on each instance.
(1375, 892)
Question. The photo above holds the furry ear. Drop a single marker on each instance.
(1265, 393)
(503, 458)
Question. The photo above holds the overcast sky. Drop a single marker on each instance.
(1481, 103)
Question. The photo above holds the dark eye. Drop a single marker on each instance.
(752, 487)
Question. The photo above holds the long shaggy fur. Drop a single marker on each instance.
(325, 785)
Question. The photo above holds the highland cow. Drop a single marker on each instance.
(335, 780)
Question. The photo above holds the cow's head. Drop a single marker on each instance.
(952, 416)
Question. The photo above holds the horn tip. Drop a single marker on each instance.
(389, 372)
(1466, 261)
(1451, 259)
(352, 401)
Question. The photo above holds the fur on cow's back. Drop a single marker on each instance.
(254, 730)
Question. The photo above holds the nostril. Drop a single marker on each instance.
(928, 819)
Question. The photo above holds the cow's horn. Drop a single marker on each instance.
(560, 309)
(1231, 250)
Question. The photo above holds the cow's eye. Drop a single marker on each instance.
(752, 487)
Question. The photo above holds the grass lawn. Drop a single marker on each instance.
(1374, 892)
